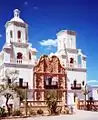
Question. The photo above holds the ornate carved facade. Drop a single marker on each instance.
(49, 75)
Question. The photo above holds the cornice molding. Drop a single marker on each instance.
(19, 24)
(22, 45)
(18, 65)
(72, 50)
(69, 50)
(76, 69)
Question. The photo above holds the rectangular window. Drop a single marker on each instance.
(79, 59)
(64, 56)
(20, 82)
(9, 81)
(11, 34)
(97, 91)
(84, 58)
(19, 34)
(29, 56)
(75, 82)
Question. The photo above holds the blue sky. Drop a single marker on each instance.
(47, 17)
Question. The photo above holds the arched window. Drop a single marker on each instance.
(26, 35)
(83, 83)
(71, 40)
(19, 34)
(11, 34)
(29, 56)
(79, 59)
(74, 82)
(19, 55)
(71, 60)
(75, 95)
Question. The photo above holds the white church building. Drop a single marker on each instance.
(18, 53)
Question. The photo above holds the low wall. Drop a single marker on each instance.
(35, 105)
(82, 104)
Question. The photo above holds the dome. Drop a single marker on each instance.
(17, 20)
(16, 17)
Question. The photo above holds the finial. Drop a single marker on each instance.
(16, 13)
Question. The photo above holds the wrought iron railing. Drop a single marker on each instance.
(22, 85)
(77, 86)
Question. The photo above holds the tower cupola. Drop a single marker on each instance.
(16, 29)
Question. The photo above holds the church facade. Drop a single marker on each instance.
(66, 68)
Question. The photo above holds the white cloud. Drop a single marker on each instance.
(51, 54)
(49, 43)
(49, 47)
(92, 81)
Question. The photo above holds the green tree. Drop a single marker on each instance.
(85, 93)
(51, 101)
(5, 87)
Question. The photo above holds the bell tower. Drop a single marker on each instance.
(17, 39)
(66, 39)
(16, 29)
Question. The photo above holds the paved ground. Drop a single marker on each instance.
(80, 115)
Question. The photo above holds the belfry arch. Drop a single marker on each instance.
(49, 74)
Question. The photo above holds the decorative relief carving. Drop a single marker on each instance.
(49, 67)
(38, 81)
(38, 95)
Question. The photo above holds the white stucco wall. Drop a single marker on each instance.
(26, 74)
(80, 77)
(8, 29)
(76, 75)
(70, 99)
(93, 92)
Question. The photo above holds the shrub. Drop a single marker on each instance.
(66, 111)
(40, 112)
(2, 112)
(32, 112)
(58, 110)
(51, 101)
(16, 113)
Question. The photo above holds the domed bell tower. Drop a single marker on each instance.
(16, 29)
